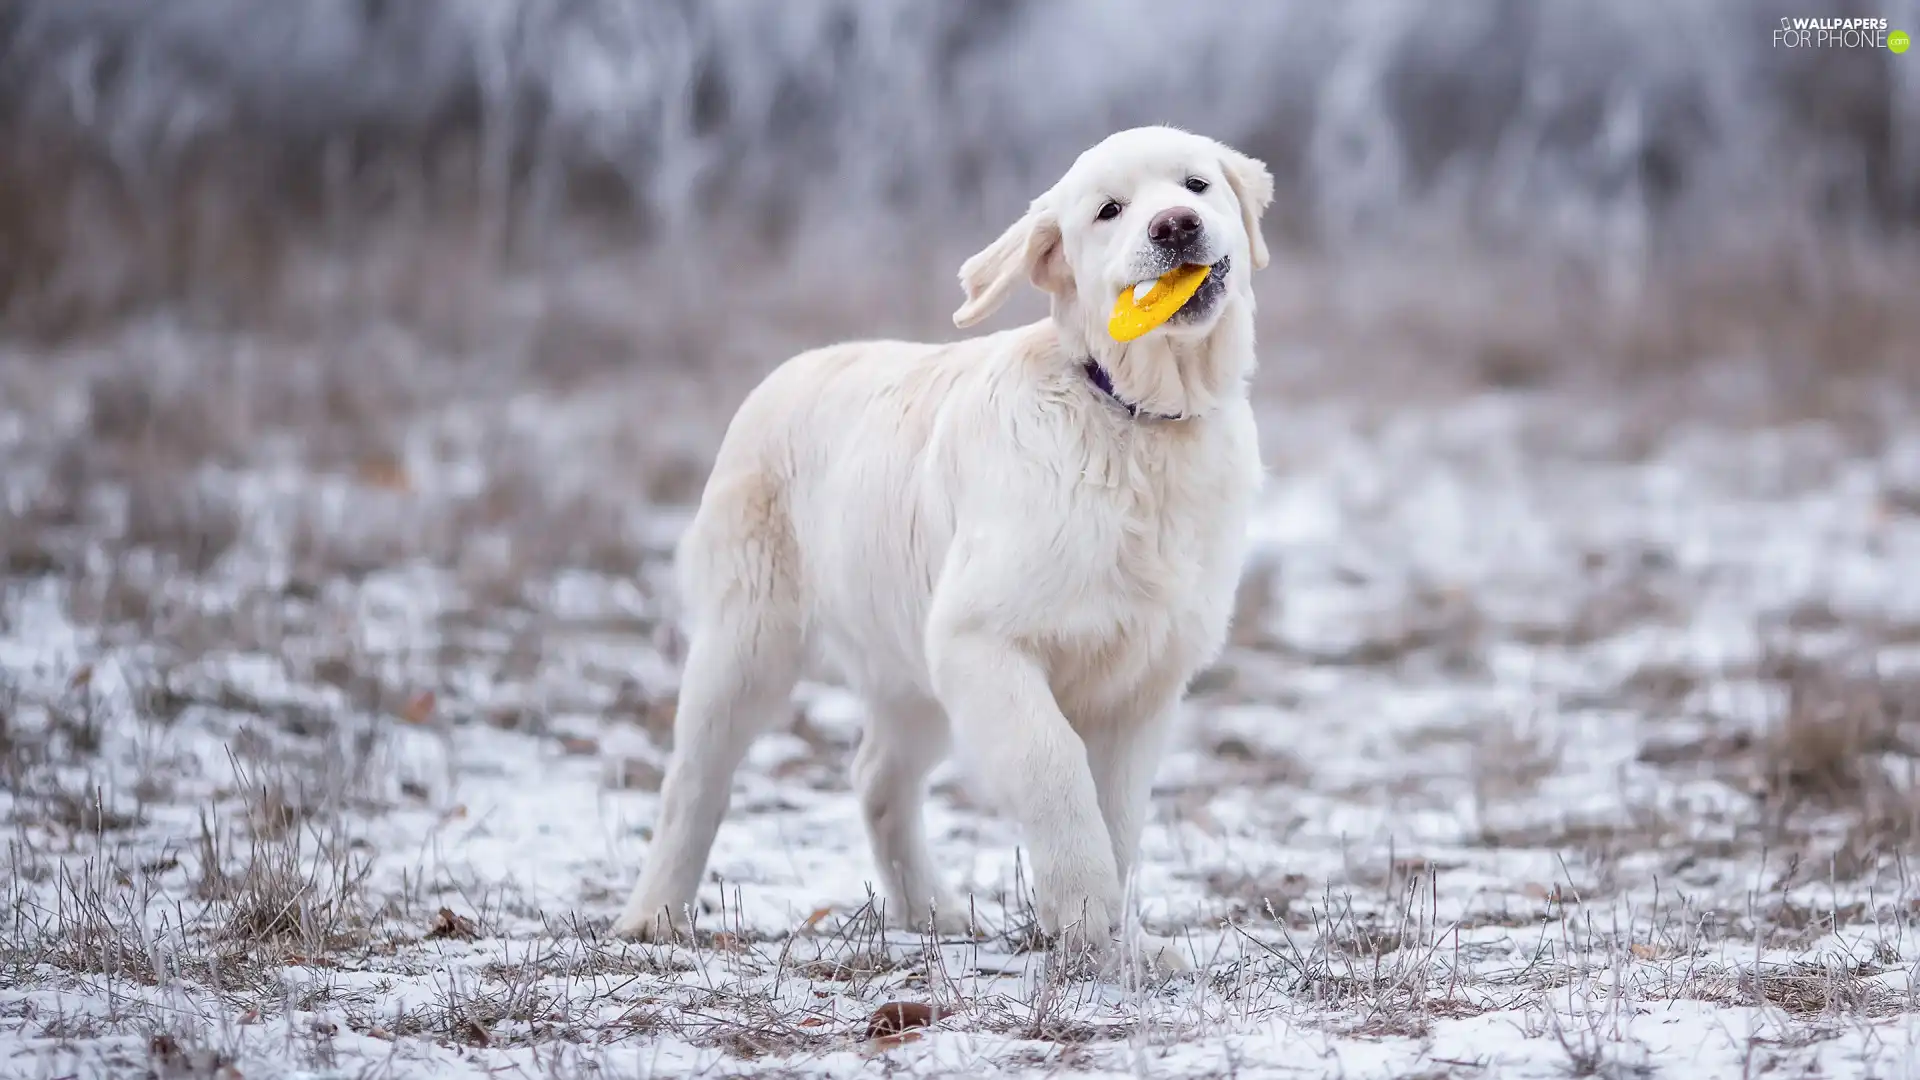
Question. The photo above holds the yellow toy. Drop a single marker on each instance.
(1134, 315)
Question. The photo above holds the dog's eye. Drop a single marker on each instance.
(1109, 210)
(1197, 185)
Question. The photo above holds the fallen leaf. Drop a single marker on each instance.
(724, 942)
(514, 718)
(304, 960)
(475, 1035)
(896, 1017)
(579, 745)
(1235, 748)
(657, 717)
(82, 677)
(812, 1021)
(449, 925)
(419, 708)
(385, 471)
(637, 774)
(1645, 952)
(1413, 865)
(888, 1042)
(847, 968)
(813, 920)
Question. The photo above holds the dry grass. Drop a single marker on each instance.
(226, 516)
(1847, 743)
(1840, 717)
(268, 908)
(1833, 769)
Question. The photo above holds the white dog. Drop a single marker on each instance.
(1025, 543)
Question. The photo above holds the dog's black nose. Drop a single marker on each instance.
(1174, 228)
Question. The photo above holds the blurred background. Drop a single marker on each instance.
(236, 233)
(626, 170)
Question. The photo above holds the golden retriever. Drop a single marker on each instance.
(1021, 545)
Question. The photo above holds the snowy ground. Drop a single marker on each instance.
(1554, 742)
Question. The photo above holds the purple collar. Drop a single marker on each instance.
(1099, 377)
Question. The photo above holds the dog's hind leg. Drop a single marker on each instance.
(906, 737)
(739, 574)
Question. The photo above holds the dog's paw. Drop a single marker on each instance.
(1117, 957)
(650, 924)
(1081, 919)
(1153, 956)
(1085, 948)
(944, 918)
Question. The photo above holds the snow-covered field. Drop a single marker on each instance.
(1559, 738)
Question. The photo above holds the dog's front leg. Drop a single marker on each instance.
(1124, 748)
(1014, 737)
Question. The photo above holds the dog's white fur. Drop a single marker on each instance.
(987, 547)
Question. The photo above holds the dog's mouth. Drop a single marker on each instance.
(1184, 294)
(1207, 296)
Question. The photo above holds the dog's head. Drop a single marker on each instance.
(1140, 204)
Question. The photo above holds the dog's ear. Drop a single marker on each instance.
(1253, 185)
(1030, 248)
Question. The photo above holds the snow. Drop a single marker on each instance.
(1348, 779)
